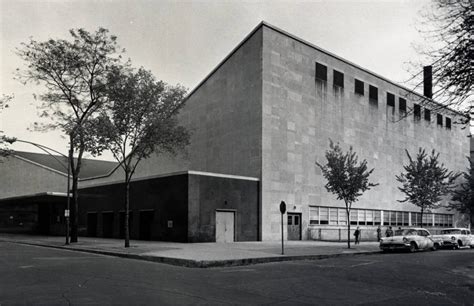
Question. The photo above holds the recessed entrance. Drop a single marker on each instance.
(225, 226)
(294, 226)
(146, 224)
(92, 224)
(107, 224)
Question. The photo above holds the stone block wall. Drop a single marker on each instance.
(301, 114)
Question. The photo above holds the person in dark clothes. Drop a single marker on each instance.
(389, 232)
(379, 233)
(357, 235)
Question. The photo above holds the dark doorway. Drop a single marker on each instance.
(92, 224)
(43, 219)
(122, 224)
(108, 225)
(146, 222)
(294, 226)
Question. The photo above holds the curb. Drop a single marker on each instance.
(189, 263)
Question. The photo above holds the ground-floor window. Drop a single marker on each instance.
(337, 216)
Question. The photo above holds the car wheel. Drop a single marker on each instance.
(435, 247)
(472, 246)
(412, 247)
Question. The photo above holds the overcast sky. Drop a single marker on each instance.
(182, 41)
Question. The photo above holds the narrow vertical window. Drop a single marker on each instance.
(402, 106)
(427, 115)
(390, 100)
(373, 95)
(417, 111)
(448, 123)
(338, 79)
(359, 87)
(321, 72)
(439, 119)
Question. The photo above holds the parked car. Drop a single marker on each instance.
(455, 238)
(411, 239)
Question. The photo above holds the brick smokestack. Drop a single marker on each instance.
(428, 81)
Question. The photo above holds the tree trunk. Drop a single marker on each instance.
(348, 228)
(421, 224)
(127, 209)
(74, 209)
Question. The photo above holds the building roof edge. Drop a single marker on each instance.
(277, 29)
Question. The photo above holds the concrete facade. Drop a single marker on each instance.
(262, 113)
(21, 177)
(180, 207)
(300, 114)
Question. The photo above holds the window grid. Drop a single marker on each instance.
(320, 215)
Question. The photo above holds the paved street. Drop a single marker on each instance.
(36, 275)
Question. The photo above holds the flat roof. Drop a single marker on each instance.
(48, 195)
(89, 168)
(270, 26)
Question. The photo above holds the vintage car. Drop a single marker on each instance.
(455, 238)
(411, 239)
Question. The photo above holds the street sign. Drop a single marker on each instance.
(282, 207)
(282, 210)
(66, 213)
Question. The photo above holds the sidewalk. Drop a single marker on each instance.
(202, 255)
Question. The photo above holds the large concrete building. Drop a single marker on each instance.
(259, 122)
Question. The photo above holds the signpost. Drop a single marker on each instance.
(282, 210)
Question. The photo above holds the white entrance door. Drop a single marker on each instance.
(224, 226)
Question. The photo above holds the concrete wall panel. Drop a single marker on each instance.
(300, 114)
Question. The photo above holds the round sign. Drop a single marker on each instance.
(282, 207)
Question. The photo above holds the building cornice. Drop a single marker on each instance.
(190, 172)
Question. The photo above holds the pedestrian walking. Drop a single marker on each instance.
(379, 233)
(357, 235)
(389, 232)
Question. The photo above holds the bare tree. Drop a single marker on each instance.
(448, 48)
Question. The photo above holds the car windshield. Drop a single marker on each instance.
(451, 231)
(405, 232)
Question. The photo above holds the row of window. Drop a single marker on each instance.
(338, 80)
(337, 216)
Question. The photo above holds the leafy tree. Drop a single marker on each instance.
(447, 29)
(425, 181)
(140, 121)
(73, 74)
(4, 150)
(346, 178)
(463, 197)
